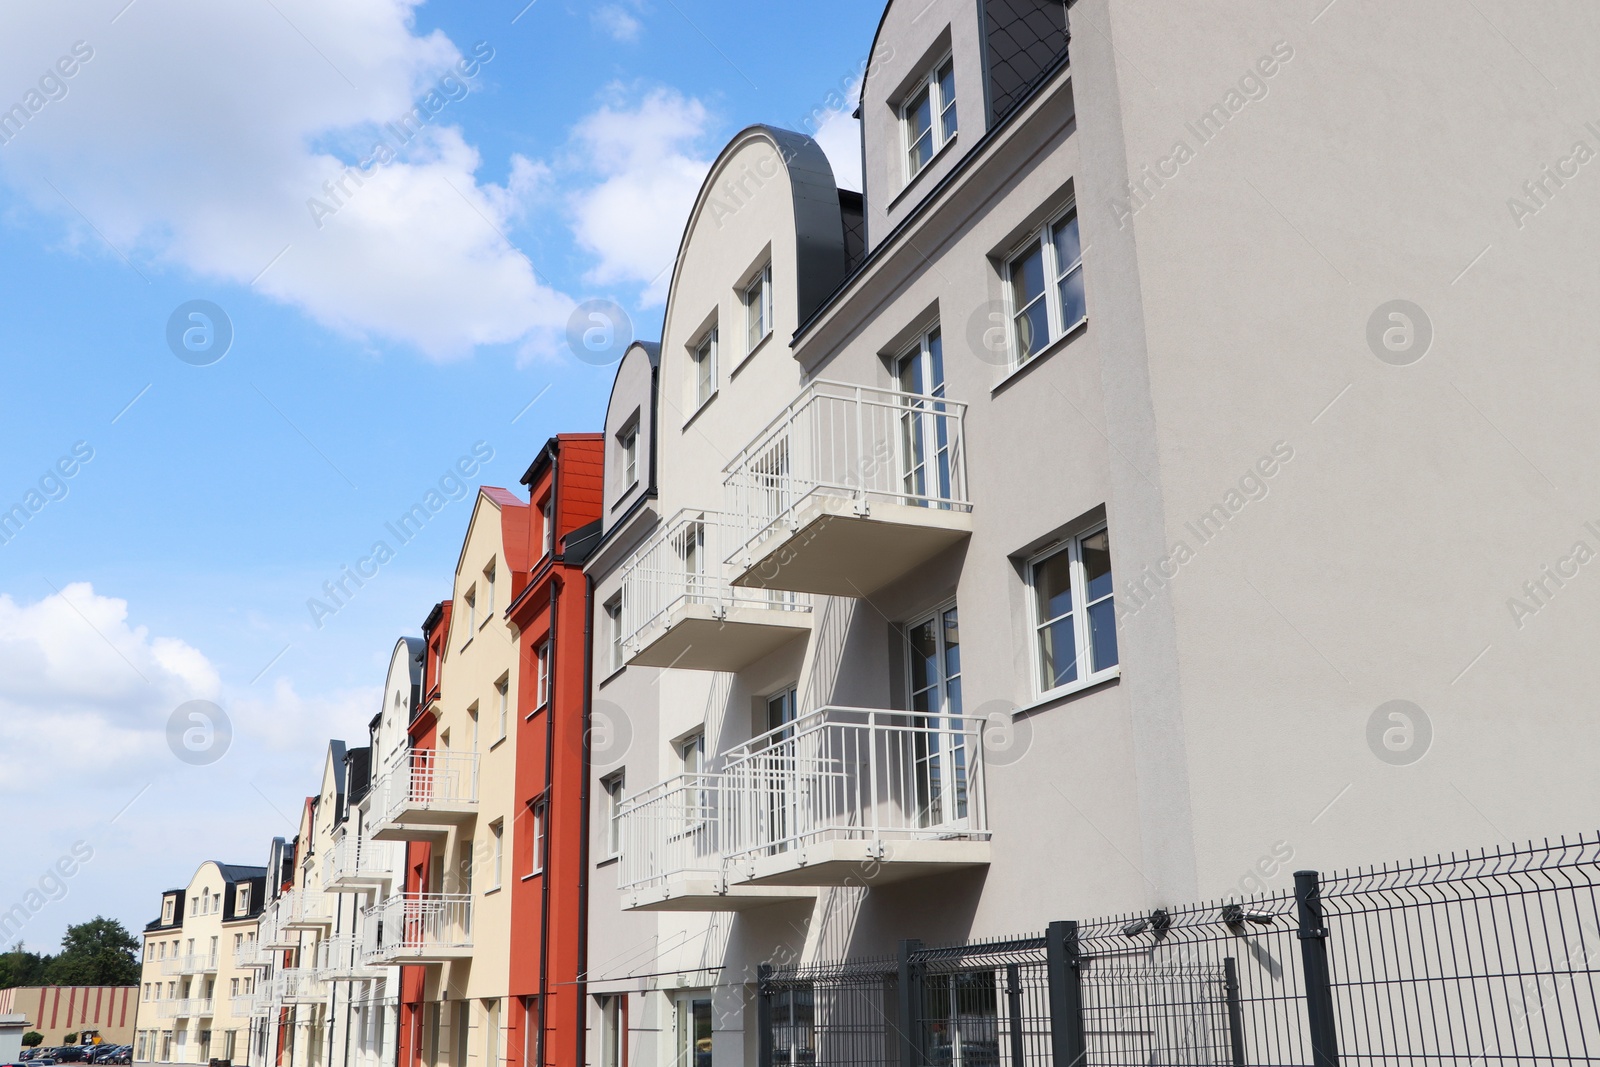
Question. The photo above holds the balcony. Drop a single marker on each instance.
(342, 959)
(298, 985)
(672, 852)
(855, 796)
(194, 963)
(186, 1008)
(304, 909)
(428, 928)
(357, 865)
(423, 794)
(681, 609)
(273, 932)
(251, 954)
(246, 1005)
(848, 490)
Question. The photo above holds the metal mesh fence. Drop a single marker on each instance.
(1480, 960)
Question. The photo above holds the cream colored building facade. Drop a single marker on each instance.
(196, 985)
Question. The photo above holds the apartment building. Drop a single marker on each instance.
(325, 993)
(1118, 419)
(195, 984)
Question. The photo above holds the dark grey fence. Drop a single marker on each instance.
(1480, 960)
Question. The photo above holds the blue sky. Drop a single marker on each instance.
(373, 345)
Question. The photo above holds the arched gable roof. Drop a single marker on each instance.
(819, 225)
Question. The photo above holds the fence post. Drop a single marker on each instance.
(1014, 1011)
(764, 1015)
(1068, 1045)
(1230, 982)
(910, 1005)
(1314, 958)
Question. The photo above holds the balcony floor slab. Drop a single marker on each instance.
(837, 863)
(833, 551)
(710, 892)
(694, 637)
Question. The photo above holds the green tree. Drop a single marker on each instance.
(19, 967)
(70, 1039)
(32, 1039)
(98, 952)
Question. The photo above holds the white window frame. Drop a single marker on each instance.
(502, 696)
(1080, 618)
(497, 835)
(1054, 272)
(489, 574)
(628, 455)
(539, 812)
(757, 300)
(938, 106)
(470, 599)
(547, 525)
(613, 610)
(613, 785)
(541, 678)
(473, 720)
(703, 370)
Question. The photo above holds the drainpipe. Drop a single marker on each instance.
(549, 819)
(582, 985)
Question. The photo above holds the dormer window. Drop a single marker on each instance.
(929, 116)
(757, 299)
(628, 455)
(241, 900)
(166, 911)
(703, 357)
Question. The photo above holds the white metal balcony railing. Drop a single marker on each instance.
(302, 908)
(272, 931)
(835, 774)
(342, 959)
(193, 963)
(251, 954)
(861, 443)
(242, 1005)
(427, 927)
(296, 985)
(356, 862)
(855, 774)
(186, 1008)
(420, 781)
(672, 828)
(682, 575)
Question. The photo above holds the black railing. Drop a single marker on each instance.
(1479, 960)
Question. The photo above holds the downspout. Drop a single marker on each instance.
(582, 985)
(549, 821)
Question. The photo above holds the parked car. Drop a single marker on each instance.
(70, 1054)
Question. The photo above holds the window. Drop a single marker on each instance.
(692, 751)
(471, 601)
(547, 525)
(612, 787)
(241, 901)
(488, 587)
(537, 810)
(1074, 613)
(703, 356)
(628, 455)
(614, 625)
(161, 951)
(926, 426)
(166, 911)
(497, 834)
(502, 696)
(758, 308)
(613, 1029)
(212, 959)
(491, 1033)
(541, 675)
(1046, 280)
(929, 117)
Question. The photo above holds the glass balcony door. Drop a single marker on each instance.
(939, 743)
(924, 434)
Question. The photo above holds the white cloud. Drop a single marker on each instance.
(197, 133)
(617, 22)
(650, 161)
(839, 136)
